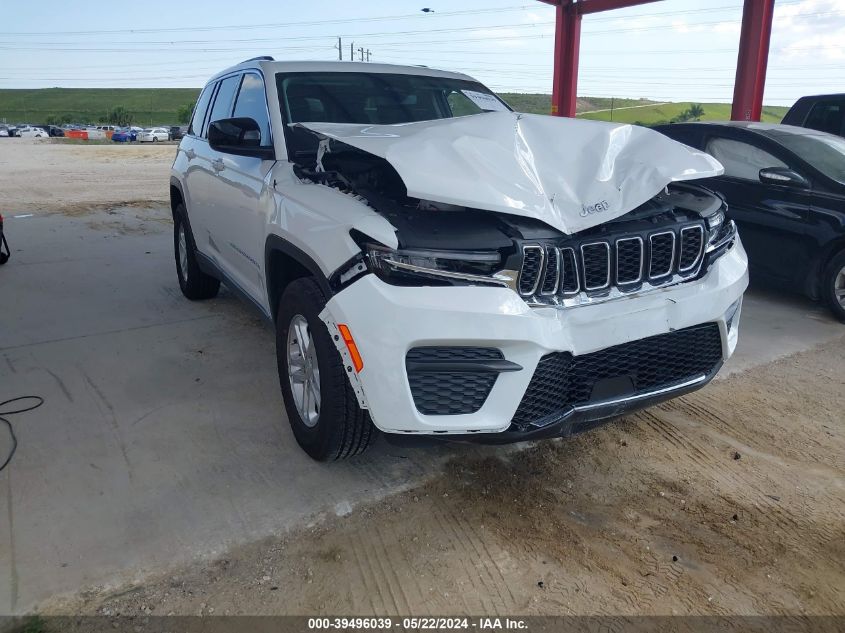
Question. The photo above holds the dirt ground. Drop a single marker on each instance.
(730, 500)
(45, 176)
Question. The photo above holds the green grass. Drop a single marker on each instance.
(150, 106)
(158, 106)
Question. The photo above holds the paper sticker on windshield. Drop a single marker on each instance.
(485, 101)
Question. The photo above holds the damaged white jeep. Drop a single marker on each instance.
(436, 264)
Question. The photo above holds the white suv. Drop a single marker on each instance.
(437, 264)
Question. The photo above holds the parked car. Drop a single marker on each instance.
(54, 130)
(32, 132)
(177, 132)
(153, 135)
(825, 113)
(124, 135)
(491, 277)
(4, 131)
(785, 189)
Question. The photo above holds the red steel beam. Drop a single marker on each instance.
(567, 45)
(752, 60)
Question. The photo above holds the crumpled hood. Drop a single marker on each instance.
(570, 173)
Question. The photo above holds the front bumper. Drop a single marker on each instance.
(387, 321)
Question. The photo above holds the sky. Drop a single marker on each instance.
(670, 50)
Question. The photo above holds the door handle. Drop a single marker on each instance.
(191, 154)
(217, 164)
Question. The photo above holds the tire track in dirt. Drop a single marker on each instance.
(650, 515)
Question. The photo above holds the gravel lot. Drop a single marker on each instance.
(42, 175)
(726, 501)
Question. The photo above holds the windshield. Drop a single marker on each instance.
(379, 98)
(825, 152)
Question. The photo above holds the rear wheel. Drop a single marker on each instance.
(833, 286)
(321, 406)
(194, 283)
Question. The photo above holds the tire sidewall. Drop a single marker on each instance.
(321, 440)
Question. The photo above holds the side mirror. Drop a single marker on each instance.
(240, 136)
(783, 176)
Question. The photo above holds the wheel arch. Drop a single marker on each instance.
(283, 263)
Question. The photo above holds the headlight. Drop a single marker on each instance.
(418, 267)
(721, 233)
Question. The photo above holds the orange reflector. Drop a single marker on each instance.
(357, 361)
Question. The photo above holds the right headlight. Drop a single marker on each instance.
(423, 267)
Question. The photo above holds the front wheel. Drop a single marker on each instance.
(321, 406)
(833, 286)
(194, 283)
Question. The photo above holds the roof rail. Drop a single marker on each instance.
(266, 58)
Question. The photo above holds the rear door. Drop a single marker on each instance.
(204, 186)
(193, 151)
(771, 218)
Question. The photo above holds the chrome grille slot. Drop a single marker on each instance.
(596, 265)
(570, 282)
(692, 247)
(575, 270)
(532, 266)
(551, 275)
(629, 260)
(661, 254)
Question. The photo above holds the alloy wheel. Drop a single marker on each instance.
(183, 252)
(303, 371)
(839, 287)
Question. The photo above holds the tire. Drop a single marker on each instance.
(341, 428)
(195, 284)
(833, 285)
(155, 139)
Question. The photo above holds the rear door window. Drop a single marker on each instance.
(827, 116)
(222, 108)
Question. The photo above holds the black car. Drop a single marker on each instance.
(785, 189)
(825, 113)
(177, 132)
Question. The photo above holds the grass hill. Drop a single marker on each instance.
(151, 106)
(640, 111)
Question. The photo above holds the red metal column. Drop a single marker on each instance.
(752, 60)
(567, 43)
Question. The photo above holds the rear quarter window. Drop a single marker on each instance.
(200, 109)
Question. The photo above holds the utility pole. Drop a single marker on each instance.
(339, 48)
(361, 50)
(368, 54)
(352, 51)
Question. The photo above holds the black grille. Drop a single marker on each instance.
(562, 380)
(452, 353)
(629, 260)
(450, 392)
(532, 263)
(550, 278)
(662, 253)
(596, 259)
(692, 239)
